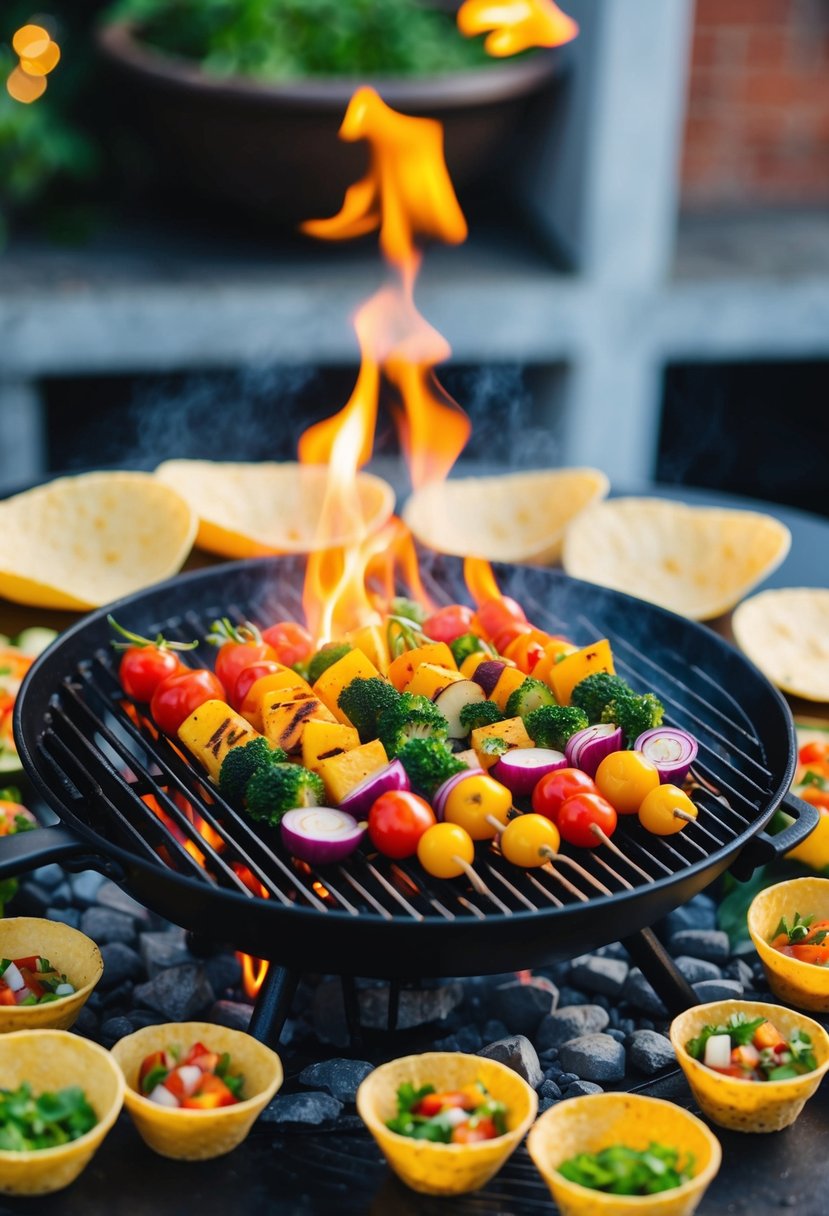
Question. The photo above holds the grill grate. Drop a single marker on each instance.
(104, 757)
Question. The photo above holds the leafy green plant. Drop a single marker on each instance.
(288, 39)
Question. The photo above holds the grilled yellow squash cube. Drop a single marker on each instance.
(574, 668)
(324, 740)
(371, 640)
(341, 774)
(402, 669)
(512, 731)
(509, 679)
(285, 714)
(429, 680)
(211, 731)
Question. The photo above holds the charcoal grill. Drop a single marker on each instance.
(95, 759)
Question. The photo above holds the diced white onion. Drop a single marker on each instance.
(190, 1077)
(64, 990)
(455, 1115)
(13, 977)
(718, 1051)
(163, 1097)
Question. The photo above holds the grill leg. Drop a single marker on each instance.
(658, 967)
(351, 1005)
(273, 1004)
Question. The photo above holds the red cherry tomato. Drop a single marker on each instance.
(234, 657)
(495, 616)
(811, 753)
(179, 695)
(578, 815)
(469, 1133)
(144, 667)
(552, 791)
(248, 676)
(396, 822)
(450, 1099)
(291, 643)
(448, 623)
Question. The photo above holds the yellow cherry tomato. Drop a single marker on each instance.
(625, 779)
(475, 800)
(440, 845)
(656, 814)
(528, 840)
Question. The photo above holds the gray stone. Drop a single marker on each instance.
(594, 1057)
(494, 1029)
(698, 913)
(120, 963)
(162, 950)
(114, 1029)
(718, 990)
(518, 1053)
(340, 1078)
(639, 992)
(224, 971)
(567, 1078)
(570, 1022)
(106, 925)
(696, 970)
(546, 1103)
(139, 1018)
(617, 1034)
(549, 1089)
(66, 916)
(468, 1039)
(522, 1006)
(418, 1006)
(61, 895)
(580, 1089)
(740, 971)
(650, 1052)
(86, 885)
(709, 944)
(568, 995)
(48, 877)
(111, 896)
(32, 899)
(307, 1108)
(595, 973)
(234, 1014)
(86, 1023)
(179, 993)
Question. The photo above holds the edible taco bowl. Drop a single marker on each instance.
(801, 984)
(196, 1135)
(590, 1124)
(748, 1106)
(445, 1169)
(51, 1060)
(73, 954)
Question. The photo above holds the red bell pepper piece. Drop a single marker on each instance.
(212, 1093)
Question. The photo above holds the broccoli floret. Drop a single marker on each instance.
(326, 657)
(241, 763)
(467, 644)
(479, 713)
(411, 717)
(595, 692)
(552, 725)
(278, 788)
(363, 702)
(429, 763)
(530, 695)
(634, 714)
(493, 746)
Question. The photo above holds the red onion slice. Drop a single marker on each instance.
(521, 769)
(443, 791)
(587, 748)
(320, 835)
(362, 798)
(672, 750)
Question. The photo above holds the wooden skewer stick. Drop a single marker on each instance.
(601, 835)
(480, 886)
(684, 815)
(560, 857)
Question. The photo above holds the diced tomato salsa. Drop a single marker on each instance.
(806, 939)
(31, 981)
(462, 1116)
(753, 1050)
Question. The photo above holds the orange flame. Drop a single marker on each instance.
(254, 970)
(480, 581)
(516, 25)
(406, 195)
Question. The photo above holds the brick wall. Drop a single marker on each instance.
(757, 130)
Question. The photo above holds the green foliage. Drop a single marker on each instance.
(288, 39)
(619, 1170)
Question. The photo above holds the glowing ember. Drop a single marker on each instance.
(513, 26)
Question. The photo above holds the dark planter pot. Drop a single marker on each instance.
(272, 149)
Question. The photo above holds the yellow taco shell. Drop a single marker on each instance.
(796, 983)
(697, 561)
(748, 1106)
(71, 953)
(196, 1135)
(445, 1169)
(51, 1060)
(514, 517)
(80, 542)
(786, 633)
(251, 510)
(589, 1124)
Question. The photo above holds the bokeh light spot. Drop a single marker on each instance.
(30, 41)
(43, 62)
(23, 87)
